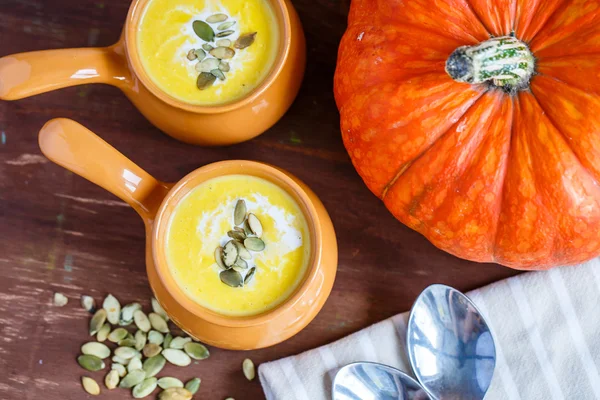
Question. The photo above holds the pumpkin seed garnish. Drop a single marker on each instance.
(113, 309)
(132, 378)
(91, 363)
(213, 19)
(126, 353)
(223, 43)
(127, 342)
(222, 53)
(225, 33)
(197, 351)
(60, 300)
(224, 66)
(167, 382)
(235, 234)
(97, 321)
(156, 337)
(177, 357)
(120, 360)
(154, 365)
(218, 73)
(88, 303)
(179, 342)
(242, 251)
(126, 317)
(248, 369)
(167, 342)
(255, 225)
(247, 229)
(117, 335)
(219, 257)
(241, 263)
(157, 308)
(134, 364)
(102, 334)
(144, 388)
(203, 30)
(175, 393)
(193, 385)
(112, 379)
(119, 368)
(200, 54)
(191, 55)
(245, 40)
(239, 213)
(140, 340)
(96, 349)
(231, 278)
(205, 80)
(254, 244)
(141, 321)
(151, 349)
(230, 253)
(158, 323)
(90, 385)
(249, 275)
(225, 25)
(207, 65)
(207, 47)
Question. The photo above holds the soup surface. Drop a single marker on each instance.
(172, 51)
(200, 224)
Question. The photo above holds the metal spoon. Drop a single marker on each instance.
(372, 381)
(450, 346)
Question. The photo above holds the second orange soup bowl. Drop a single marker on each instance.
(74, 147)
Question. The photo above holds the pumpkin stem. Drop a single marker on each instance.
(504, 61)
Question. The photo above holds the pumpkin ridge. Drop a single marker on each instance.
(540, 27)
(478, 17)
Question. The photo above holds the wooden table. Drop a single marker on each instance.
(61, 233)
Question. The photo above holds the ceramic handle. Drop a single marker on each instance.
(27, 74)
(79, 150)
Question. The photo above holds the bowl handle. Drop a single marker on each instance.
(27, 74)
(74, 147)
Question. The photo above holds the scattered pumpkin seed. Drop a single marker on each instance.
(151, 349)
(191, 55)
(249, 275)
(125, 352)
(248, 369)
(156, 337)
(255, 225)
(96, 349)
(88, 303)
(91, 363)
(112, 379)
(120, 360)
(141, 320)
(127, 342)
(219, 257)
(120, 368)
(223, 43)
(154, 365)
(222, 53)
(224, 66)
(157, 308)
(234, 234)
(117, 335)
(239, 213)
(140, 339)
(134, 364)
(200, 54)
(231, 278)
(126, 317)
(241, 263)
(113, 309)
(132, 378)
(197, 351)
(158, 323)
(245, 40)
(225, 33)
(144, 388)
(90, 385)
(167, 342)
(207, 47)
(203, 30)
(247, 229)
(254, 244)
(213, 19)
(218, 73)
(193, 385)
(177, 357)
(60, 300)
(103, 333)
(97, 321)
(225, 25)
(167, 382)
(179, 342)
(242, 251)
(230, 253)
(205, 80)
(207, 65)
(175, 393)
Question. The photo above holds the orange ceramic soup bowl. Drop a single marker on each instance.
(74, 147)
(27, 74)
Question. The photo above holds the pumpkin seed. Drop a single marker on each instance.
(177, 357)
(205, 80)
(157, 308)
(245, 40)
(247, 229)
(255, 225)
(207, 65)
(179, 342)
(235, 234)
(127, 342)
(248, 369)
(156, 337)
(97, 321)
(191, 55)
(120, 368)
(158, 323)
(242, 251)
(113, 309)
(200, 54)
(249, 275)
(175, 393)
(224, 66)
(223, 53)
(120, 360)
(154, 365)
(112, 379)
(102, 334)
(132, 378)
(151, 349)
(96, 349)
(223, 43)
(167, 342)
(144, 388)
(219, 257)
(225, 25)
(218, 73)
(90, 362)
(231, 278)
(88, 303)
(254, 244)
(117, 335)
(197, 351)
(225, 33)
(207, 47)
(230, 398)
(140, 340)
(239, 213)
(90, 385)
(167, 382)
(230, 253)
(193, 385)
(60, 300)
(141, 320)
(134, 364)
(125, 352)
(203, 30)
(241, 263)
(213, 19)
(126, 317)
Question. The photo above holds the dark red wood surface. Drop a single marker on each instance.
(61, 233)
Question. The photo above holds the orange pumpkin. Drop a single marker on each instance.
(477, 122)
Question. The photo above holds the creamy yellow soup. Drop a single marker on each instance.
(166, 35)
(200, 223)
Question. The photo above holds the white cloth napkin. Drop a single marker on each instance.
(547, 331)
